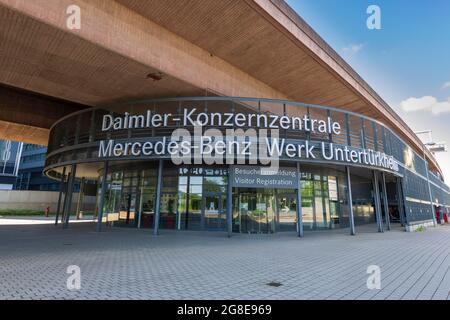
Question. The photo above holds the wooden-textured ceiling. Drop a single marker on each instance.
(100, 65)
(241, 33)
(235, 32)
(43, 59)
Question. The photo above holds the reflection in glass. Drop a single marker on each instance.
(215, 211)
(257, 211)
(287, 211)
(147, 198)
(320, 201)
(202, 199)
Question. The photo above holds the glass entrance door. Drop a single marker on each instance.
(256, 213)
(128, 197)
(287, 212)
(214, 211)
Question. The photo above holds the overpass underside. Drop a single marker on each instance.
(131, 50)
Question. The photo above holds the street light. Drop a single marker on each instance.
(437, 147)
(434, 147)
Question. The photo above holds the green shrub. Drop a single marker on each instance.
(420, 229)
(22, 212)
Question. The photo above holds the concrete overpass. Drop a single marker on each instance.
(129, 49)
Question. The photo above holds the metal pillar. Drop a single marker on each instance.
(102, 196)
(140, 191)
(66, 184)
(400, 204)
(61, 187)
(433, 215)
(158, 199)
(324, 206)
(405, 211)
(80, 198)
(431, 199)
(71, 182)
(385, 201)
(229, 204)
(376, 195)
(299, 204)
(350, 202)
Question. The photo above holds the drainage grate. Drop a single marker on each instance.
(274, 284)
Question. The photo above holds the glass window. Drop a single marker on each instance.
(214, 184)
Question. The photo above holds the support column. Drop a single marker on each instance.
(299, 204)
(404, 211)
(61, 187)
(385, 202)
(71, 182)
(400, 204)
(433, 215)
(158, 198)
(350, 202)
(229, 204)
(66, 185)
(80, 198)
(376, 195)
(140, 192)
(102, 196)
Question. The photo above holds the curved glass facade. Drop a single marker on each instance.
(194, 198)
(144, 188)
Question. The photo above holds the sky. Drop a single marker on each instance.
(407, 61)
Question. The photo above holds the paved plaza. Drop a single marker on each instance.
(132, 264)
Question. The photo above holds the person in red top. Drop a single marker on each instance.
(438, 216)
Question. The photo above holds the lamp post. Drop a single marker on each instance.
(433, 147)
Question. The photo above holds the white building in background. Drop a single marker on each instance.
(10, 153)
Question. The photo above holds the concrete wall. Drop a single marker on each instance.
(39, 200)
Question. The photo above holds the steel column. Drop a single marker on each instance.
(158, 198)
(102, 196)
(61, 187)
(141, 190)
(376, 195)
(71, 182)
(385, 201)
(400, 202)
(66, 184)
(431, 196)
(350, 202)
(363, 133)
(80, 198)
(347, 126)
(433, 215)
(229, 204)
(299, 204)
(402, 187)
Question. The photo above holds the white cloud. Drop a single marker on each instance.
(416, 104)
(441, 107)
(446, 85)
(353, 48)
(426, 103)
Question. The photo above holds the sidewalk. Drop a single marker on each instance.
(122, 263)
(30, 220)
